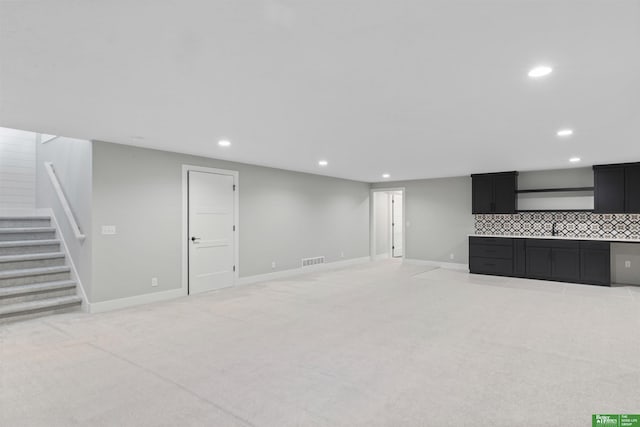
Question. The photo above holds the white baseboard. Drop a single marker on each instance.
(297, 271)
(100, 307)
(447, 265)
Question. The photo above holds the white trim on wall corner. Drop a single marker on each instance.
(446, 265)
(301, 270)
(116, 304)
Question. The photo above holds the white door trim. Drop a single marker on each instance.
(185, 221)
(372, 221)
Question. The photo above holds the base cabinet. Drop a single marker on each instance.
(595, 263)
(538, 262)
(547, 259)
(565, 264)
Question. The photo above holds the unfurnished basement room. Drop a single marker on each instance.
(321, 213)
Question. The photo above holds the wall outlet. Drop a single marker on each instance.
(341, 254)
(627, 264)
(451, 256)
(108, 230)
(154, 281)
(273, 264)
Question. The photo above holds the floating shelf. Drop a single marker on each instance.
(556, 190)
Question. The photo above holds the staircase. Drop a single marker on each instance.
(34, 277)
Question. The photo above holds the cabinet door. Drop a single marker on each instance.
(482, 194)
(565, 264)
(504, 193)
(538, 262)
(595, 266)
(609, 189)
(632, 189)
(519, 258)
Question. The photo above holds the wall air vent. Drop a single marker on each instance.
(308, 262)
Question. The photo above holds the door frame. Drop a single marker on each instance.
(372, 222)
(185, 220)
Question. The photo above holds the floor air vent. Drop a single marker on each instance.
(308, 262)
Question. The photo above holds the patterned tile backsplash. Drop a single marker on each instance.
(568, 224)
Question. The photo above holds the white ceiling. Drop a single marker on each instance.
(415, 88)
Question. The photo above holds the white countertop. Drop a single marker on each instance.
(597, 239)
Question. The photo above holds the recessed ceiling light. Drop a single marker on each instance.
(386, 175)
(540, 71)
(224, 143)
(574, 159)
(565, 132)
(323, 163)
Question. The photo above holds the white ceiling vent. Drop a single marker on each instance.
(308, 262)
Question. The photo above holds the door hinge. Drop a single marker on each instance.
(234, 187)
(234, 228)
(234, 268)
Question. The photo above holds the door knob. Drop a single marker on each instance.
(194, 239)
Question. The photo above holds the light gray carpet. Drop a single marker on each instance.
(372, 345)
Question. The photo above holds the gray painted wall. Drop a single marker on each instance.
(284, 216)
(574, 177)
(438, 218)
(71, 159)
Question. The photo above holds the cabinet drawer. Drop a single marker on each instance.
(595, 246)
(491, 251)
(553, 243)
(491, 266)
(500, 241)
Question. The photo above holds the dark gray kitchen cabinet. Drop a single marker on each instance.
(575, 261)
(632, 188)
(553, 259)
(491, 256)
(617, 188)
(494, 193)
(595, 263)
(538, 262)
(519, 258)
(482, 194)
(565, 263)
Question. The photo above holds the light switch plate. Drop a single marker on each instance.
(108, 230)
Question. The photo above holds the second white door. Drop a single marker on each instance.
(211, 231)
(397, 239)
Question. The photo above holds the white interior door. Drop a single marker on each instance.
(211, 231)
(396, 224)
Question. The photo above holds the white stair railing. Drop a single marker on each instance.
(63, 201)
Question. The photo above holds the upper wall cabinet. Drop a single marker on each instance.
(617, 188)
(494, 193)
